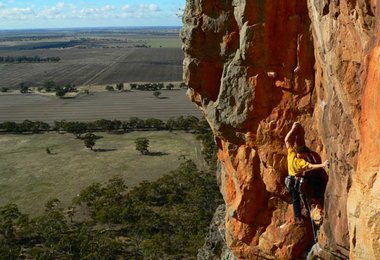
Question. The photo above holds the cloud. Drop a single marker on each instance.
(141, 10)
(109, 8)
(53, 12)
(60, 10)
(104, 11)
(63, 10)
(60, 5)
(17, 13)
(126, 8)
(154, 8)
(148, 8)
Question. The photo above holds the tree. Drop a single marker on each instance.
(60, 92)
(23, 88)
(142, 145)
(171, 124)
(120, 86)
(9, 126)
(170, 86)
(135, 122)
(156, 93)
(49, 85)
(89, 142)
(4, 89)
(76, 128)
(154, 123)
(90, 139)
(69, 88)
(110, 88)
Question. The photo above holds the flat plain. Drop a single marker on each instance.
(90, 59)
(96, 105)
(95, 66)
(93, 57)
(29, 176)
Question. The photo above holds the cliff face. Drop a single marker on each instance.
(254, 67)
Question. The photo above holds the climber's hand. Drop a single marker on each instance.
(295, 125)
(326, 164)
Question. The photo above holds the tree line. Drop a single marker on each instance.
(154, 86)
(186, 123)
(48, 86)
(191, 124)
(27, 59)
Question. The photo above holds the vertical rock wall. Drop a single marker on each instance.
(346, 38)
(254, 67)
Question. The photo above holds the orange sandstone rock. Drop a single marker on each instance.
(254, 67)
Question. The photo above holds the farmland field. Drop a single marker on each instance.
(29, 176)
(95, 66)
(97, 105)
(93, 57)
(90, 59)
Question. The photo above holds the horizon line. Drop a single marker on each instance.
(95, 27)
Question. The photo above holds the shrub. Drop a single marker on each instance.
(60, 92)
(120, 86)
(142, 145)
(110, 88)
(170, 86)
(156, 94)
(23, 88)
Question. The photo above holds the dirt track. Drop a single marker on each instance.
(103, 105)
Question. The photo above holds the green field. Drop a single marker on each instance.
(29, 176)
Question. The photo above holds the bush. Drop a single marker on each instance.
(89, 140)
(142, 145)
(23, 88)
(4, 89)
(170, 86)
(156, 94)
(60, 92)
(49, 85)
(120, 86)
(110, 88)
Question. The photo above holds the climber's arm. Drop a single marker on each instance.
(290, 133)
(312, 166)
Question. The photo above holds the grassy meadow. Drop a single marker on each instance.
(29, 176)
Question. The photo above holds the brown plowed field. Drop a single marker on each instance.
(99, 105)
(95, 66)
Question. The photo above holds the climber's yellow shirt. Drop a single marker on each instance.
(295, 165)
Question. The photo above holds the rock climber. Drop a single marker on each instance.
(297, 167)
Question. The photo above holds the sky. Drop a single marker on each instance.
(36, 14)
